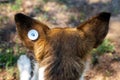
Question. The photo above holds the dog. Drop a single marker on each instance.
(60, 53)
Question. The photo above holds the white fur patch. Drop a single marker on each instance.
(25, 75)
(41, 73)
(24, 67)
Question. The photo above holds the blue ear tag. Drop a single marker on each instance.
(33, 34)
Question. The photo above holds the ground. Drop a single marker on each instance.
(61, 13)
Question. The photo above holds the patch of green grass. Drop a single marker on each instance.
(105, 47)
(17, 5)
(8, 57)
(9, 54)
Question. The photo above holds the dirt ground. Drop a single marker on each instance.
(62, 13)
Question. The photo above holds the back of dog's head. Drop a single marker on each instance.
(63, 50)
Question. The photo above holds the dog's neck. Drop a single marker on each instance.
(62, 62)
(42, 72)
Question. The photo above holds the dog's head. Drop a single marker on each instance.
(66, 48)
(82, 38)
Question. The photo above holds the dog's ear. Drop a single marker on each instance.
(97, 27)
(29, 30)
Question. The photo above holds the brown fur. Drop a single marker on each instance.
(63, 50)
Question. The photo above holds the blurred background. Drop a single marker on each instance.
(60, 13)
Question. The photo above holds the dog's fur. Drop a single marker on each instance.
(62, 52)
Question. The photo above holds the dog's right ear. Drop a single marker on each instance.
(30, 30)
(96, 27)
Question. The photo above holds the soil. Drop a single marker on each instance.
(62, 13)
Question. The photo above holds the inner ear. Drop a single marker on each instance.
(97, 27)
(25, 24)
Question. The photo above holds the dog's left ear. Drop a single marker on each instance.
(96, 27)
(30, 30)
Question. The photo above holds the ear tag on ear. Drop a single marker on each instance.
(33, 34)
